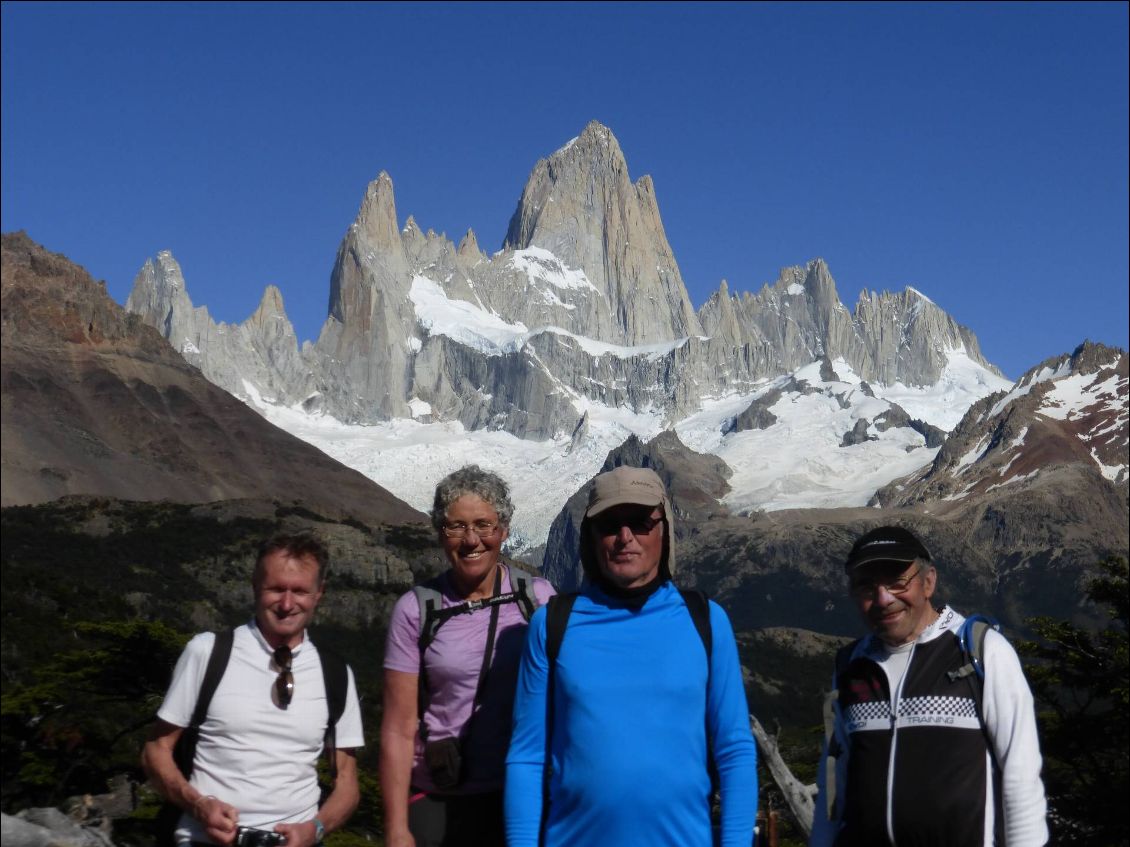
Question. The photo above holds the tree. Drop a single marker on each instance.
(81, 717)
(1081, 680)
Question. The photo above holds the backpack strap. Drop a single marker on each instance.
(699, 607)
(522, 584)
(213, 673)
(433, 615)
(557, 612)
(430, 600)
(184, 753)
(335, 675)
(972, 636)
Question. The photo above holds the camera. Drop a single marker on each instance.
(247, 836)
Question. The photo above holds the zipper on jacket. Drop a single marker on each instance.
(896, 698)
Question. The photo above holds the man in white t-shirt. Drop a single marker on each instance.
(256, 759)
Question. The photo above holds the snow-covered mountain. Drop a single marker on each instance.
(541, 358)
(1070, 410)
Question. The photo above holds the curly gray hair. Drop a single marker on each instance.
(472, 479)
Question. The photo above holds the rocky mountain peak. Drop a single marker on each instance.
(1087, 358)
(48, 300)
(818, 281)
(580, 205)
(596, 143)
(1070, 410)
(270, 307)
(469, 246)
(507, 341)
(376, 220)
(160, 297)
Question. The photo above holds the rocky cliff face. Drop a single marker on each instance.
(888, 338)
(1070, 410)
(581, 206)
(95, 402)
(583, 305)
(259, 355)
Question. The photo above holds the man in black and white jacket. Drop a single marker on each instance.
(918, 755)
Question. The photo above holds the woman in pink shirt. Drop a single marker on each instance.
(449, 679)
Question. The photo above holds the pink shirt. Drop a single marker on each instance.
(454, 660)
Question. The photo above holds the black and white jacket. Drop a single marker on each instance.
(917, 765)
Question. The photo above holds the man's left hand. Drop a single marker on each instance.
(303, 834)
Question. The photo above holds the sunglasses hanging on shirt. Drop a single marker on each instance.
(284, 685)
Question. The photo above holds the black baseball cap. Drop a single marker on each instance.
(886, 544)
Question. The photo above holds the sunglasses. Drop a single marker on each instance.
(284, 685)
(636, 524)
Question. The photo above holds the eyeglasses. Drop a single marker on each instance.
(284, 685)
(637, 524)
(483, 529)
(869, 588)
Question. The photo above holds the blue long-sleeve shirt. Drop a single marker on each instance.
(631, 713)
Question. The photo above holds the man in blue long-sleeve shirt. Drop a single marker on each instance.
(635, 705)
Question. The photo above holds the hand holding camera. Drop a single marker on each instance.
(247, 836)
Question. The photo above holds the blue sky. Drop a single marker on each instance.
(976, 152)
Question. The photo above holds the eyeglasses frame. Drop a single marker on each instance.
(870, 590)
(461, 530)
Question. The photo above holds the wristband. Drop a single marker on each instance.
(319, 831)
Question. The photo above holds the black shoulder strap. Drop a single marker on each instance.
(433, 614)
(184, 751)
(335, 675)
(556, 620)
(843, 658)
(699, 607)
(557, 612)
(213, 673)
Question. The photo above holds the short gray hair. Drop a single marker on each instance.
(472, 479)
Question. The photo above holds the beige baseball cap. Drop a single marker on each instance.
(638, 486)
(625, 485)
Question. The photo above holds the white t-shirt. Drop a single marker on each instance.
(258, 757)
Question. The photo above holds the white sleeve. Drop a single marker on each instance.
(348, 733)
(825, 828)
(180, 699)
(1010, 718)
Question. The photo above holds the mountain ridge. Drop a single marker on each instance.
(97, 403)
(585, 264)
(533, 341)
